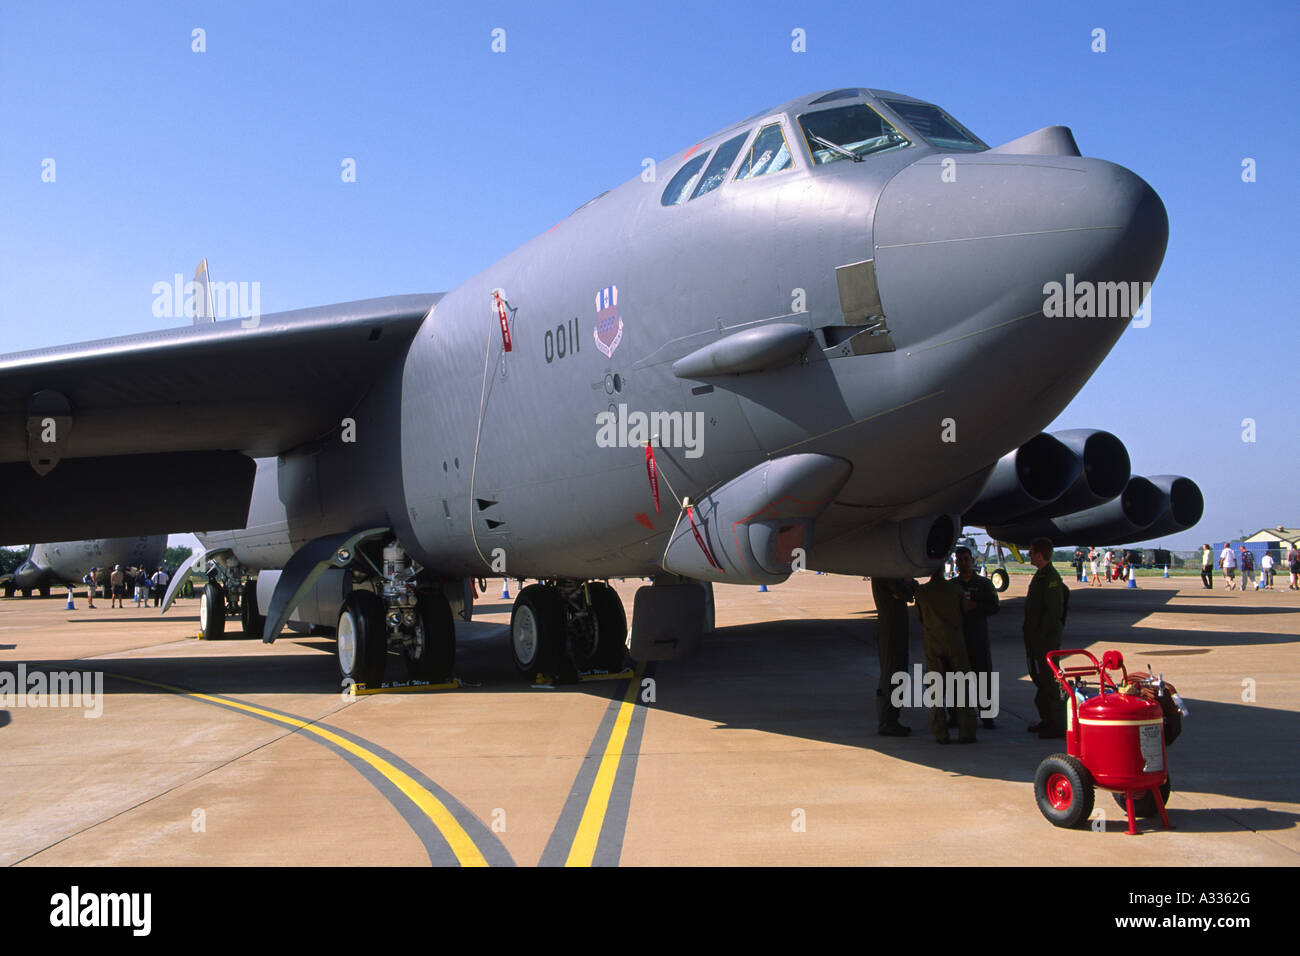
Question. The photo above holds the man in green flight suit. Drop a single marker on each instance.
(1044, 624)
(891, 596)
(938, 604)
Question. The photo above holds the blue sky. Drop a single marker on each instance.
(164, 156)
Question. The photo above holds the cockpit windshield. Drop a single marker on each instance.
(935, 125)
(848, 132)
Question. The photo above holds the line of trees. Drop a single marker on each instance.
(11, 558)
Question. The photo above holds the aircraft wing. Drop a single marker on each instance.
(84, 428)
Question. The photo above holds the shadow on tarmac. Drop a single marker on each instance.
(816, 680)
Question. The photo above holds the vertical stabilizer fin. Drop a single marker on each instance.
(203, 310)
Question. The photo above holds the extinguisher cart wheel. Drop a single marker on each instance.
(1064, 790)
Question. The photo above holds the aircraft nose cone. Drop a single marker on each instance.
(976, 242)
(1130, 218)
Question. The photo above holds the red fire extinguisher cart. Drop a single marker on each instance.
(1115, 740)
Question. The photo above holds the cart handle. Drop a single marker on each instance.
(1097, 668)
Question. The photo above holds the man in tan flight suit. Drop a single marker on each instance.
(938, 604)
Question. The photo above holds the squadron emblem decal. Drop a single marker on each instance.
(609, 324)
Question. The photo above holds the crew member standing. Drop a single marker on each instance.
(160, 580)
(891, 596)
(979, 602)
(1207, 566)
(1044, 624)
(938, 605)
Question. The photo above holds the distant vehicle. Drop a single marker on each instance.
(988, 561)
(1159, 558)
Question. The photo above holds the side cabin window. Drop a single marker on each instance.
(769, 153)
(723, 157)
(679, 187)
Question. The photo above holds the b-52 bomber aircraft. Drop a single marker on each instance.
(746, 360)
(67, 562)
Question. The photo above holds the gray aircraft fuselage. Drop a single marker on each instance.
(67, 562)
(468, 451)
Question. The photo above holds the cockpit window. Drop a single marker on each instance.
(768, 154)
(679, 187)
(848, 132)
(835, 95)
(935, 125)
(723, 157)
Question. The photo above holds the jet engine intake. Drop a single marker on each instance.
(1025, 480)
(1186, 505)
(1103, 477)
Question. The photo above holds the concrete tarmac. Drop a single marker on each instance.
(761, 749)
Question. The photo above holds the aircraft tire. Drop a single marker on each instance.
(212, 611)
(363, 639)
(537, 630)
(611, 626)
(252, 622)
(1144, 806)
(27, 592)
(1000, 579)
(45, 590)
(434, 655)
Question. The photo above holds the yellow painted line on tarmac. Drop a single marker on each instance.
(583, 850)
(466, 852)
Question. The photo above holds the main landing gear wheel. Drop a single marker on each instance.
(537, 630)
(1064, 789)
(1143, 805)
(610, 638)
(45, 590)
(1000, 579)
(250, 619)
(431, 653)
(212, 611)
(363, 639)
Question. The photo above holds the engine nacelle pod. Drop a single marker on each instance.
(1186, 505)
(910, 548)
(1123, 520)
(751, 529)
(1103, 478)
(1026, 479)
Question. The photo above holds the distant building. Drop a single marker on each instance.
(1275, 539)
